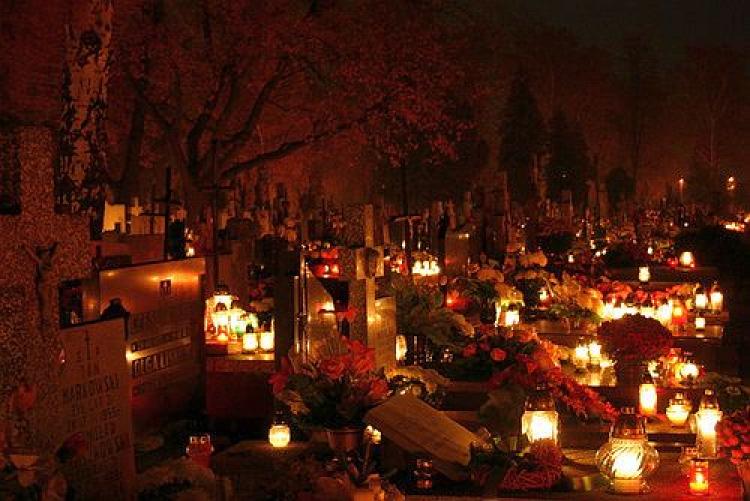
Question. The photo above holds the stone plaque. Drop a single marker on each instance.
(95, 389)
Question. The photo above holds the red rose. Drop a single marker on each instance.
(543, 360)
(333, 367)
(469, 351)
(279, 379)
(378, 390)
(498, 354)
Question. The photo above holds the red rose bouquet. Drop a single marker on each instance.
(335, 391)
(734, 435)
(635, 339)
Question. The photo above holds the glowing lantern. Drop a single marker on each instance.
(250, 342)
(595, 353)
(647, 309)
(698, 477)
(199, 449)
(687, 260)
(627, 459)
(664, 312)
(220, 317)
(512, 316)
(678, 410)
(581, 356)
(540, 420)
(222, 338)
(717, 298)
(401, 348)
(706, 419)
(222, 296)
(679, 313)
(647, 397)
(279, 435)
(609, 310)
(688, 371)
(700, 323)
(701, 299)
(267, 341)
(644, 274)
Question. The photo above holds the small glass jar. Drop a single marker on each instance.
(687, 454)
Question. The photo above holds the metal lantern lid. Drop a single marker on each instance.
(709, 400)
(628, 425)
(540, 400)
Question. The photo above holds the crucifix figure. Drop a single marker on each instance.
(42, 257)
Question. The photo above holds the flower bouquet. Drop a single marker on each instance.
(734, 438)
(335, 391)
(538, 469)
(514, 363)
(632, 341)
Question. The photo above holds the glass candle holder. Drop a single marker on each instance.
(717, 298)
(700, 323)
(581, 357)
(199, 449)
(706, 419)
(647, 399)
(701, 299)
(267, 341)
(540, 420)
(644, 274)
(595, 353)
(279, 435)
(423, 474)
(678, 410)
(250, 342)
(698, 477)
(627, 459)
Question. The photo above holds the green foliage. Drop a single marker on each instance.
(523, 138)
(419, 313)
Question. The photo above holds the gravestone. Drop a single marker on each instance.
(361, 261)
(40, 250)
(95, 389)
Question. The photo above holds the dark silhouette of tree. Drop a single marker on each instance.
(243, 84)
(620, 186)
(569, 167)
(522, 139)
(641, 97)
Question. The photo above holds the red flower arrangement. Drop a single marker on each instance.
(734, 435)
(526, 361)
(542, 469)
(635, 338)
(335, 391)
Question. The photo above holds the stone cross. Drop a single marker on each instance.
(40, 249)
(361, 261)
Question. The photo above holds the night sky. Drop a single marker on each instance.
(669, 24)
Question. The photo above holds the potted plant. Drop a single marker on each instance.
(333, 392)
(632, 341)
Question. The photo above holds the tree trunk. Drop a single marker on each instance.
(81, 176)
